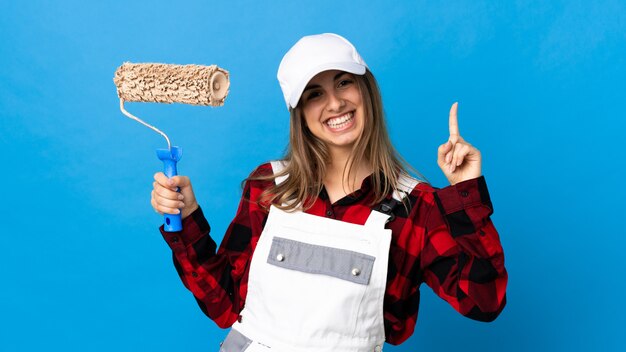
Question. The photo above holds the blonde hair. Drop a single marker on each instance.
(307, 156)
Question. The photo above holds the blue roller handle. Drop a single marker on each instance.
(171, 222)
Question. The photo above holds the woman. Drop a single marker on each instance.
(329, 246)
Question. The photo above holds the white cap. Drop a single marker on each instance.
(314, 54)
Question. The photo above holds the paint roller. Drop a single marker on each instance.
(167, 83)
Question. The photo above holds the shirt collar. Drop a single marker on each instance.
(354, 197)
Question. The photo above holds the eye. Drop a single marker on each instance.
(344, 82)
(312, 95)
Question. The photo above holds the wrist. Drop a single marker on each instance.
(454, 181)
(189, 210)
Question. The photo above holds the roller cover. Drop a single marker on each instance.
(167, 83)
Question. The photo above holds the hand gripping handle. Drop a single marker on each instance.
(171, 222)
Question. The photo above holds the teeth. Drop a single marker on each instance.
(339, 121)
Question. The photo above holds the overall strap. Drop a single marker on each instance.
(277, 167)
(382, 213)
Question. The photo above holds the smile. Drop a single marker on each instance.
(340, 122)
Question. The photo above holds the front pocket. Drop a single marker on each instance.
(305, 257)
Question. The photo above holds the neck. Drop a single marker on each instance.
(340, 161)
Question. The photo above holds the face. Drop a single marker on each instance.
(333, 109)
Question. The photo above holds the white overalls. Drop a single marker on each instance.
(315, 284)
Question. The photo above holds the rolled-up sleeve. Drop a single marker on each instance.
(463, 259)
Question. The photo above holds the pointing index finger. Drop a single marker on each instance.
(454, 122)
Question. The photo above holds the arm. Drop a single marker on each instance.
(217, 279)
(462, 258)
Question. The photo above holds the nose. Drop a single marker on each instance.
(335, 102)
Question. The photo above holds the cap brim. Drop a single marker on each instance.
(350, 67)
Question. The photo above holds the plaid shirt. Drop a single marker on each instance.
(446, 239)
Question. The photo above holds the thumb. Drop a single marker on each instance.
(180, 181)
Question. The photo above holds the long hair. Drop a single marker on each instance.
(307, 156)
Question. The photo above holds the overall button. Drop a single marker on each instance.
(280, 257)
(378, 349)
(356, 272)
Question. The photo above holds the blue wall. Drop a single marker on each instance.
(541, 93)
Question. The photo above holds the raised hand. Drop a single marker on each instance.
(459, 160)
(165, 199)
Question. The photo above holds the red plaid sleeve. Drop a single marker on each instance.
(218, 279)
(462, 258)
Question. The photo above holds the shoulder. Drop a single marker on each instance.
(268, 169)
(424, 187)
(413, 186)
(262, 170)
(261, 178)
(256, 184)
(423, 192)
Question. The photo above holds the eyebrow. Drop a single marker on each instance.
(313, 86)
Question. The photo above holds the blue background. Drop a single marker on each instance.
(540, 87)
